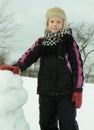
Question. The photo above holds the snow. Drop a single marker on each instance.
(12, 97)
(19, 108)
(85, 115)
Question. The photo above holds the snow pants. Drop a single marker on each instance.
(57, 113)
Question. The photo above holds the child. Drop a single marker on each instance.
(60, 77)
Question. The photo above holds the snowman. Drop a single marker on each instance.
(12, 98)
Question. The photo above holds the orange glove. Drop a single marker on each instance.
(77, 99)
(14, 69)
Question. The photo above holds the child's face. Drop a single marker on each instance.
(55, 24)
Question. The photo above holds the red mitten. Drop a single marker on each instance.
(77, 99)
(14, 69)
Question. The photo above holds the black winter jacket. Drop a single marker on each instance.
(61, 67)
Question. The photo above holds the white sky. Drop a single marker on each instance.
(30, 14)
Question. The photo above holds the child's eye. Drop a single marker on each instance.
(58, 21)
(51, 21)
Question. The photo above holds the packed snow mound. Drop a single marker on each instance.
(11, 81)
(13, 121)
(12, 97)
(12, 93)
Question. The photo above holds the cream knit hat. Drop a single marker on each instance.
(56, 11)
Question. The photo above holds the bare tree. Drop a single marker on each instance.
(8, 27)
(84, 34)
(89, 77)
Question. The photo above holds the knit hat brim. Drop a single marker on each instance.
(56, 12)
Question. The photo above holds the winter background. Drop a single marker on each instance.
(30, 16)
(19, 108)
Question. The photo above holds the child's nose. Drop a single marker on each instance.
(55, 24)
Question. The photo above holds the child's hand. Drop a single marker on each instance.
(14, 69)
(77, 99)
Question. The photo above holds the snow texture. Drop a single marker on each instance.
(12, 97)
(17, 110)
(85, 115)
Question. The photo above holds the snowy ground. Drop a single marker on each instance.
(17, 93)
(85, 115)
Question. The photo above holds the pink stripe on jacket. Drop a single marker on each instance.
(79, 82)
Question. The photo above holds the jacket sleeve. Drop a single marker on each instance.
(76, 64)
(29, 57)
